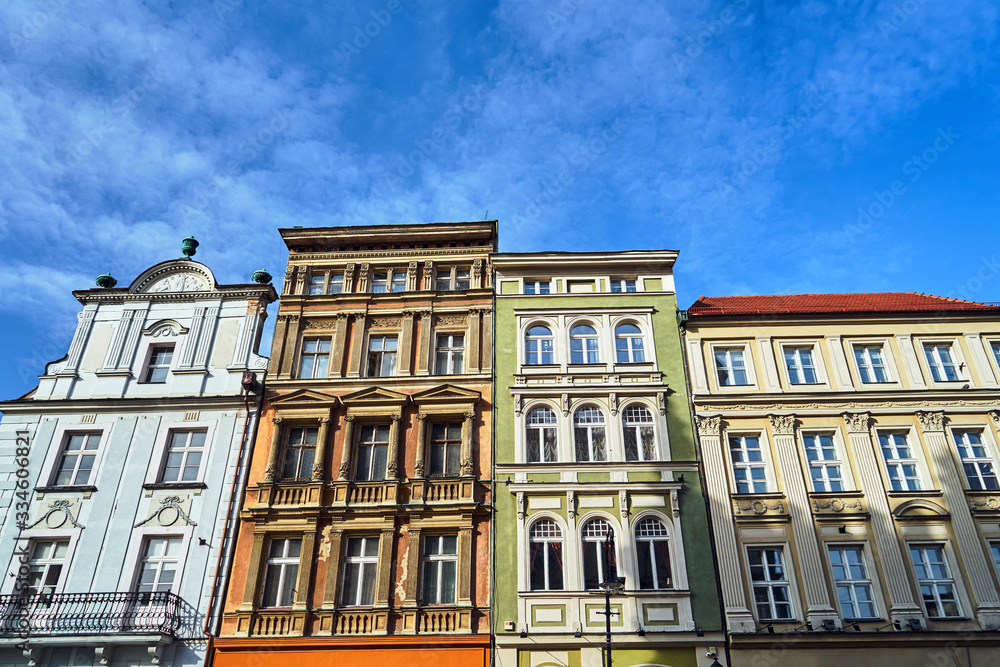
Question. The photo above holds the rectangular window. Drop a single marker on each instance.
(398, 281)
(70, 657)
(941, 362)
(440, 569)
(442, 280)
(315, 358)
(380, 282)
(77, 460)
(770, 584)
(995, 346)
(336, 283)
(536, 286)
(300, 453)
(360, 571)
(381, 356)
(899, 461)
(801, 369)
(158, 567)
(976, 461)
(622, 284)
(579, 286)
(455, 278)
(446, 449)
(824, 463)
(995, 550)
(937, 588)
(449, 354)
(373, 453)
(184, 453)
(749, 469)
(730, 367)
(281, 572)
(316, 284)
(158, 367)
(871, 365)
(854, 586)
(45, 567)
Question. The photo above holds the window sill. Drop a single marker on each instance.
(82, 488)
(932, 493)
(584, 368)
(175, 485)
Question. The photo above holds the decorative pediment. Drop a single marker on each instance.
(919, 507)
(178, 275)
(304, 398)
(375, 396)
(446, 398)
(165, 328)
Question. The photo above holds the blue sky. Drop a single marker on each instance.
(780, 146)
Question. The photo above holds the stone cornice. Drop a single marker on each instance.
(226, 293)
(130, 404)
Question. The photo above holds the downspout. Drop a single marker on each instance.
(239, 478)
(682, 320)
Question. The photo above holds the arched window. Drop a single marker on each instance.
(583, 347)
(541, 436)
(588, 432)
(545, 556)
(638, 434)
(599, 563)
(652, 548)
(538, 346)
(628, 344)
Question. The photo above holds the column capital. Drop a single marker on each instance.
(350, 418)
(709, 425)
(782, 424)
(857, 422)
(931, 421)
(422, 416)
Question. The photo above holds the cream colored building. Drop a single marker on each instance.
(849, 444)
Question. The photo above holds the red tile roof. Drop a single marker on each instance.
(871, 302)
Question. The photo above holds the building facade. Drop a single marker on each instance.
(120, 468)
(849, 444)
(366, 527)
(594, 437)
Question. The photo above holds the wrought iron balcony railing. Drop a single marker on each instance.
(67, 614)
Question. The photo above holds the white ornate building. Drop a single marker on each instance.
(120, 467)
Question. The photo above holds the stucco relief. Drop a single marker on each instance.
(179, 282)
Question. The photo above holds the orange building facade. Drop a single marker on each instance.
(364, 534)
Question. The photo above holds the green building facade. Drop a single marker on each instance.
(594, 436)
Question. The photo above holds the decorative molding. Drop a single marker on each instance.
(857, 422)
(623, 503)
(931, 421)
(851, 405)
(709, 425)
(451, 320)
(325, 324)
(564, 401)
(675, 503)
(571, 504)
(467, 467)
(782, 424)
(613, 401)
(518, 404)
(838, 505)
(477, 273)
(520, 505)
(661, 402)
(269, 473)
(168, 503)
(384, 323)
(59, 507)
(995, 416)
(758, 507)
(991, 503)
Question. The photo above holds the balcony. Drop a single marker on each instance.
(90, 614)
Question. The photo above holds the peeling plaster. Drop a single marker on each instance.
(401, 579)
(325, 542)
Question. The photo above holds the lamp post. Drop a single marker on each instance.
(608, 585)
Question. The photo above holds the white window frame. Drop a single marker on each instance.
(541, 428)
(584, 539)
(562, 539)
(47, 563)
(438, 559)
(316, 355)
(395, 352)
(133, 554)
(450, 350)
(43, 534)
(590, 426)
(947, 558)
(851, 583)
(317, 284)
(913, 443)
(668, 538)
(332, 281)
(286, 445)
(748, 367)
(159, 457)
(788, 581)
(995, 552)
(957, 360)
(174, 346)
(764, 463)
(977, 461)
(622, 284)
(390, 275)
(629, 346)
(636, 426)
(584, 338)
(818, 363)
(358, 432)
(175, 584)
(536, 285)
(888, 367)
(58, 442)
(363, 562)
(282, 564)
(525, 339)
(840, 461)
(451, 282)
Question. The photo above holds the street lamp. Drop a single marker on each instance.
(610, 584)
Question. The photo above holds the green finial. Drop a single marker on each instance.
(106, 281)
(261, 276)
(189, 246)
